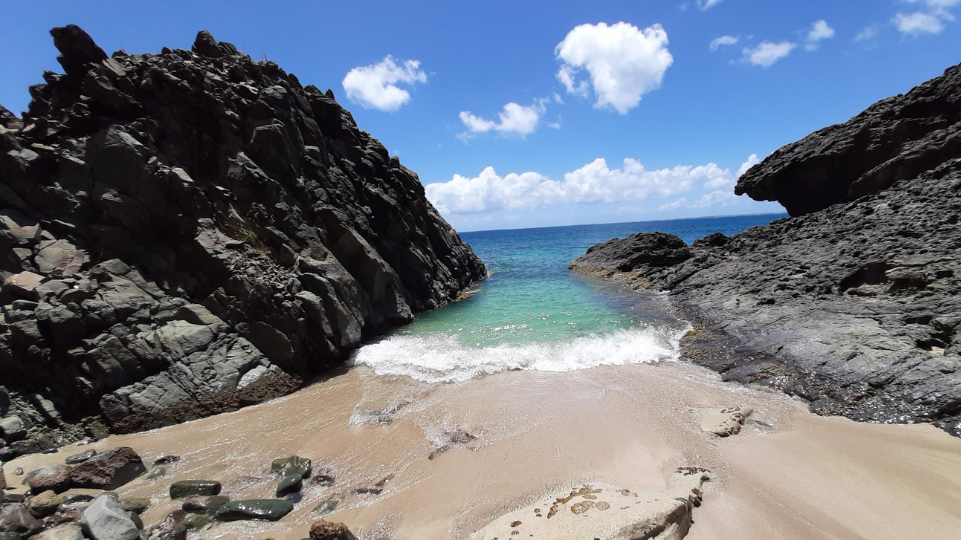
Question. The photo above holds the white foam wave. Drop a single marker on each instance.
(442, 357)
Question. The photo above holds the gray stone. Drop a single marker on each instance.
(55, 477)
(16, 518)
(104, 519)
(12, 428)
(205, 505)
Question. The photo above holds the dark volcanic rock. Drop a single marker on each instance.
(855, 307)
(194, 488)
(192, 232)
(650, 249)
(898, 138)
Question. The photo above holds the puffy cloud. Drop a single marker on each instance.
(767, 53)
(375, 86)
(704, 5)
(722, 41)
(929, 21)
(593, 183)
(513, 120)
(818, 32)
(622, 61)
(752, 160)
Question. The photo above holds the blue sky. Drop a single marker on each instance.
(518, 114)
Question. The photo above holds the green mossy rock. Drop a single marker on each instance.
(265, 509)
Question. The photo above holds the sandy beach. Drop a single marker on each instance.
(788, 474)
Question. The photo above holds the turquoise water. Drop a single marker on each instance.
(533, 313)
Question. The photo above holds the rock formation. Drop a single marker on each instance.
(855, 303)
(188, 232)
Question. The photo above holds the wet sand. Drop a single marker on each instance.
(803, 477)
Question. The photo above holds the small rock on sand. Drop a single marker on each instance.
(724, 422)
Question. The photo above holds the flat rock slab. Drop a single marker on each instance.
(194, 488)
(262, 509)
(724, 422)
(606, 512)
(108, 470)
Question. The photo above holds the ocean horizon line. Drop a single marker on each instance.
(628, 222)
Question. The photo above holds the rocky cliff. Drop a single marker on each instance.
(189, 232)
(855, 304)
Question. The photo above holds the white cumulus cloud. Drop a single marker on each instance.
(595, 182)
(622, 62)
(819, 31)
(375, 86)
(722, 41)
(767, 53)
(513, 120)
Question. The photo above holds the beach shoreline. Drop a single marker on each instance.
(539, 432)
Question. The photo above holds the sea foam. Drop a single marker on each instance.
(439, 357)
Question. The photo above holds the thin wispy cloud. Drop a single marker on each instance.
(867, 33)
(723, 41)
(768, 53)
(622, 62)
(375, 86)
(705, 5)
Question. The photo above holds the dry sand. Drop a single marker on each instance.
(803, 477)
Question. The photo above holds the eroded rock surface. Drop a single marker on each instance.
(857, 306)
(606, 512)
(898, 138)
(190, 232)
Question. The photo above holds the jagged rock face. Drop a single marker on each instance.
(181, 227)
(895, 139)
(856, 308)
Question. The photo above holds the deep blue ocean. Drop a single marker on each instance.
(534, 313)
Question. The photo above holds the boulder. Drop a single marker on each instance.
(44, 504)
(196, 521)
(259, 509)
(77, 49)
(56, 478)
(206, 45)
(16, 518)
(12, 428)
(108, 470)
(325, 530)
(80, 457)
(194, 488)
(105, 520)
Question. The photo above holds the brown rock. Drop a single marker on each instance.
(325, 530)
(55, 478)
(22, 284)
(108, 470)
